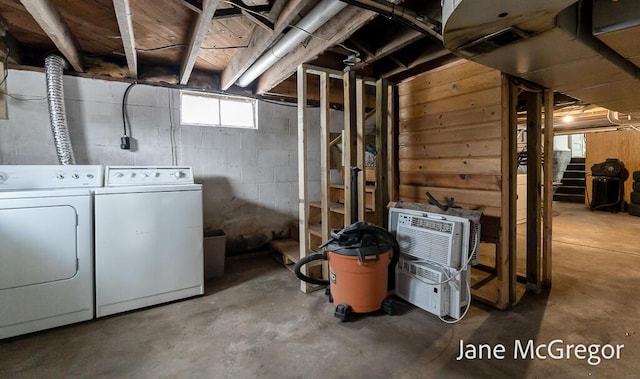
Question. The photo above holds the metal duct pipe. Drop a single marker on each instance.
(318, 16)
(53, 67)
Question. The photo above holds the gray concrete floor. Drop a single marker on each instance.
(256, 323)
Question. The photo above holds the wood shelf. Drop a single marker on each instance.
(334, 207)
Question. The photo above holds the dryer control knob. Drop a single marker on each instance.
(60, 176)
(119, 175)
(179, 174)
(75, 176)
(3, 177)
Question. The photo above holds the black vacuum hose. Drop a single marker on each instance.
(304, 261)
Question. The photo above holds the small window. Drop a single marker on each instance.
(218, 110)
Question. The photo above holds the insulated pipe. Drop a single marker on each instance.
(318, 16)
(53, 67)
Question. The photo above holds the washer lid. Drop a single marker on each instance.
(147, 189)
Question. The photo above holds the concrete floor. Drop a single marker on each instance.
(256, 323)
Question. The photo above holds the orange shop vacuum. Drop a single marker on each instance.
(359, 264)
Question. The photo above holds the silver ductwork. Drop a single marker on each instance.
(552, 43)
(53, 68)
(318, 16)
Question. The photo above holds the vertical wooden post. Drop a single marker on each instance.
(506, 251)
(3, 97)
(382, 149)
(349, 140)
(325, 130)
(361, 147)
(392, 143)
(303, 204)
(548, 189)
(534, 182)
(325, 140)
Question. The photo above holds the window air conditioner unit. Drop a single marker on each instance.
(435, 249)
(432, 238)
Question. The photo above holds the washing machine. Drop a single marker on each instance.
(46, 246)
(148, 238)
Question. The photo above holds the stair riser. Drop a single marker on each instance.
(575, 182)
(574, 174)
(578, 160)
(569, 198)
(570, 190)
(576, 167)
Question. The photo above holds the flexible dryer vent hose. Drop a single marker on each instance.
(53, 67)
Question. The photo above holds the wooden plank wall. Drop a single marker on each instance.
(623, 145)
(450, 136)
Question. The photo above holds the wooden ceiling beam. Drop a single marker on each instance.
(51, 22)
(9, 47)
(403, 40)
(261, 39)
(123, 15)
(200, 29)
(333, 32)
(196, 6)
(253, 15)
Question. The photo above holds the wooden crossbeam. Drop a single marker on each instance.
(261, 39)
(51, 22)
(333, 32)
(200, 29)
(123, 15)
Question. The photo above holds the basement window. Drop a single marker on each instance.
(218, 110)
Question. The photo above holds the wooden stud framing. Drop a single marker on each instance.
(354, 150)
(361, 146)
(506, 249)
(325, 144)
(534, 171)
(393, 179)
(325, 129)
(303, 204)
(547, 226)
(383, 153)
(349, 140)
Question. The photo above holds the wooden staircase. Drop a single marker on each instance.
(573, 187)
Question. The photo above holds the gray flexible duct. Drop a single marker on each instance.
(53, 67)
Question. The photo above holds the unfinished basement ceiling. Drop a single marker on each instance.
(210, 44)
(584, 49)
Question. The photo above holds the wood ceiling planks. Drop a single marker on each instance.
(98, 34)
(22, 26)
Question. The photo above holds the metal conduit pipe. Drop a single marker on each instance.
(53, 67)
(318, 16)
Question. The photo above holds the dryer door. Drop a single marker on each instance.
(38, 245)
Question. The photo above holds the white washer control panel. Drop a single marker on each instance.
(116, 176)
(22, 177)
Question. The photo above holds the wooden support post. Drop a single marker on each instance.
(506, 250)
(303, 204)
(382, 149)
(361, 146)
(393, 179)
(325, 165)
(3, 97)
(548, 189)
(350, 139)
(534, 171)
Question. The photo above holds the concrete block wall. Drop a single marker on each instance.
(250, 177)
